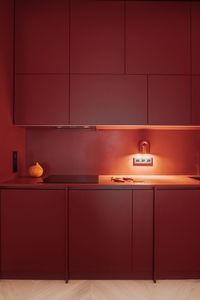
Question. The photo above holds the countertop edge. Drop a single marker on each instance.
(150, 182)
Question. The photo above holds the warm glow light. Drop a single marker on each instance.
(154, 127)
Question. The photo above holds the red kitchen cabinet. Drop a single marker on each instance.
(33, 234)
(195, 37)
(169, 100)
(97, 36)
(100, 228)
(41, 99)
(157, 37)
(177, 234)
(108, 99)
(142, 234)
(41, 36)
(111, 234)
(196, 100)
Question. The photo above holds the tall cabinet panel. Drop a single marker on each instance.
(41, 62)
(97, 36)
(157, 37)
(41, 36)
(196, 100)
(195, 38)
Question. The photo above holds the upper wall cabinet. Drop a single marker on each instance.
(41, 36)
(195, 38)
(86, 62)
(108, 99)
(41, 99)
(169, 100)
(157, 37)
(97, 36)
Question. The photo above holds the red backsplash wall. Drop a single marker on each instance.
(11, 138)
(111, 152)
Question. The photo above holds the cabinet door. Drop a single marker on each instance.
(99, 233)
(97, 36)
(41, 99)
(33, 241)
(158, 37)
(196, 100)
(143, 233)
(169, 100)
(41, 36)
(195, 26)
(177, 234)
(108, 99)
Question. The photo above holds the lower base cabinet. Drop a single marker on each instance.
(142, 236)
(177, 234)
(92, 233)
(33, 234)
(110, 234)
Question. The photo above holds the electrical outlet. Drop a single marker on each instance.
(143, 161)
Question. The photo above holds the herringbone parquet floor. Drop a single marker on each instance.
(99, 290)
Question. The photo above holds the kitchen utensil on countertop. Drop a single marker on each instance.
(125, 179)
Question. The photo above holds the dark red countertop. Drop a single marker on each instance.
(159, 181)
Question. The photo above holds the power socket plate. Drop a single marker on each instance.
(143, 161)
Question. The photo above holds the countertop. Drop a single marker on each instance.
(149, 181)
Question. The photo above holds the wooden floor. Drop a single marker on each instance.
(99, 290)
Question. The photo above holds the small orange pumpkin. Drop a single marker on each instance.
(35, 170)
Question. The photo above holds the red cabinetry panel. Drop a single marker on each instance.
(97, 36)
(99, 233)
(33, 241)
(196, 100)
(143, 233)
(41, 36)
(41, 99)
(158, 40)
(177, 234)
(195, 17)
(108, 99)
(169, 100)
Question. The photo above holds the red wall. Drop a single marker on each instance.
(111, 152)
(11, 138)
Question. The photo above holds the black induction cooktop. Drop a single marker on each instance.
(71, 179)
(195, 177)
